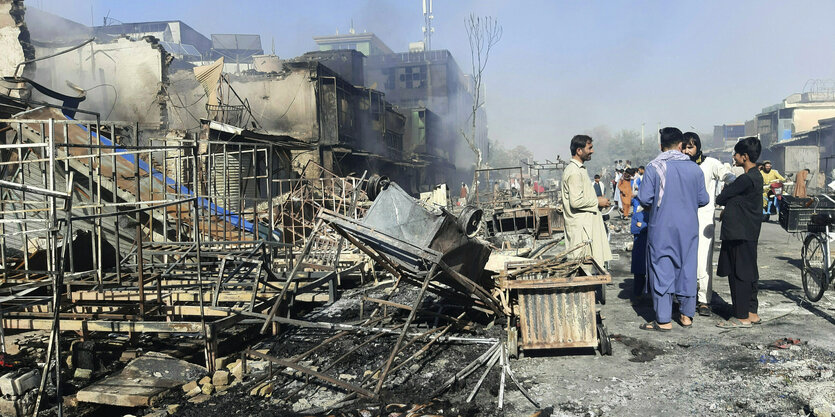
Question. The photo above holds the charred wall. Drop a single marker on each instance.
(125, 80)
(14, 38)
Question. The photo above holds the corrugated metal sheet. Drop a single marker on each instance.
(555, 311)
(557, 318)
(234, 176)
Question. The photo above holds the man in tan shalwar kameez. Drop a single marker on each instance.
(581, 206)
(800, 183)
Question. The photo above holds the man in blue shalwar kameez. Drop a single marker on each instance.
(671, 192)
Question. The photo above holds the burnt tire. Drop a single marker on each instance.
(375, 185)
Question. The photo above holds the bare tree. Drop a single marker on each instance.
(483, 33)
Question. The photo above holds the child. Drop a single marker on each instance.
(639, 250)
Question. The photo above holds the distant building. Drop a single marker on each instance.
(178, 38)
(727, 133)
(428, 87)
(796, 114)
(751, 127)
(813, 149)
(367, 43)
(236, 48)
(348, 63)
(429, 79)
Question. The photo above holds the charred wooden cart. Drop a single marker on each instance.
(551, 305)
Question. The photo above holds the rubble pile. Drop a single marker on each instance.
(157, 262)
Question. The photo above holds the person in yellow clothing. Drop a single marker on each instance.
(769, 175)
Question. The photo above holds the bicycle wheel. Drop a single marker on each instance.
(814, 267)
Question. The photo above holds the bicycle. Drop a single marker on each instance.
(818, 265)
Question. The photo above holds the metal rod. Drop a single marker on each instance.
(196, 231)
(411, 317)
(290, 277)
(293, 365)
(33, 189)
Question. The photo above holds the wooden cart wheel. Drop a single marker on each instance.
(603, 341)
(512, 342)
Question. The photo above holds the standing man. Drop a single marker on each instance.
(714, 172)
(800, 183)
(598, 186)
(672, 191)
(581, 205)
(639, 176)
(615, 183)
(740, 232)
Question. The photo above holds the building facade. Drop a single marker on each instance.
(367, 43)
(796, 114)
(726, 134)
(183, 39)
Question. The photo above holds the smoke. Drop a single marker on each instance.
(48, 29)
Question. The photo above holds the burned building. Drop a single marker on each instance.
(432, 80)
(352, 128)
(348, 63)
(177, 37)
(121, 79)
(432, 143)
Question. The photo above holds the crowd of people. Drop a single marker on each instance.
(671, 204)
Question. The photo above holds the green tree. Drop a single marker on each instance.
(501, 157)
(626, 145)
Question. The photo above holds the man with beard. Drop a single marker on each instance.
(769, 176)
(672, 191)
(581, 205)
(714, 172)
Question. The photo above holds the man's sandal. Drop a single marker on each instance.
(733, 323)
(653, 325)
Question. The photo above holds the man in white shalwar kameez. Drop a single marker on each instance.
(715, 174)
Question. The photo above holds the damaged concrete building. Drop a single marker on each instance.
(350, 104)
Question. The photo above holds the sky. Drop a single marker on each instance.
(561, 67)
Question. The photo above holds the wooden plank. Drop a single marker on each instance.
(547, 283)
(104, 326)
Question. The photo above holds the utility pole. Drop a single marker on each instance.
(642, 133)
(659, 133)
(427, 28)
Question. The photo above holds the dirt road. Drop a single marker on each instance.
(703, 370)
